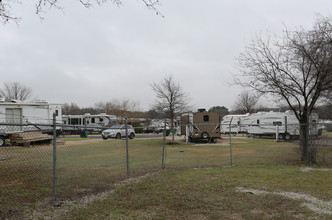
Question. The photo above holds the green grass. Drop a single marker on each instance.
(327, 134)
(88, 168)
(74, 139)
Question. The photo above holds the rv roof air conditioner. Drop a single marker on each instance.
(16, 101)
(41, 101)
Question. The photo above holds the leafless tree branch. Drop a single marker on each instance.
(6, 16)
(16, 91)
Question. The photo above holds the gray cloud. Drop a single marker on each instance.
(90, 55)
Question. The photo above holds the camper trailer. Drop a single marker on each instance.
(18, 117)
(200, 125)
(285, 124)
(92, 122)
(233, 124)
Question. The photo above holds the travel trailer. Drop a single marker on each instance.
(200, 125)
(233, 124)
(19, 117)
(285, 124)
(91, 122)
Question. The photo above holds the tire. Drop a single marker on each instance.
(132, 135)
(118, 136)
(205, 135)
(288, 137)
(2, 141)
(320, 132)
(281, 136)
(213, 140)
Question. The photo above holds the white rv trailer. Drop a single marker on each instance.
(233, 124)
(92, 122)
(27, 117)
(284, 123)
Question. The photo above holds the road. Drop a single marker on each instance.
(136, 136)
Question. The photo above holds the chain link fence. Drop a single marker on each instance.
(51, 163)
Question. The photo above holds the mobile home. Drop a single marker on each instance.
(233, 124)
(92, 122)
(285, 124)
(18, 117)
(200, 125)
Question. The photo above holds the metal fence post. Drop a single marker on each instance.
(187, 134)
(310, 141)
(127, 151)
(54, 160)
(230, 141)
(164, 143)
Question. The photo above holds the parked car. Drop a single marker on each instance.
(118, 131)
(149, 129)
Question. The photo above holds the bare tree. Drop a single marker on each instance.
(222, 110)
(6, 15)
(121, 108)
(246, 102)
(71, 109)
(170, 98)
(100, 107)
(16, 91)
(295, 68)
(154, 114)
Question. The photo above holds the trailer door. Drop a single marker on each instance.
(13, 116)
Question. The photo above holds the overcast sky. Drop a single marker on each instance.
(90, 55)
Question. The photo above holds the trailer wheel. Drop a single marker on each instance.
(320, 132)
(213, 140)
(2, 141)
(288, 137)
(281, 136)
(205, 135)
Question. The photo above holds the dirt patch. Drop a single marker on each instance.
(69, 143)
(309, 169)
(314, 204)
(11, 183)
(45, 211)
(221, 143)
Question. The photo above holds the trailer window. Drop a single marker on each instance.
(93, 120)
(258, 121)
(205, 118)
(56, 112)
(75, 121)
(277, 123)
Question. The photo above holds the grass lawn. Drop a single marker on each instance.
(216, 193)
(90, 167)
